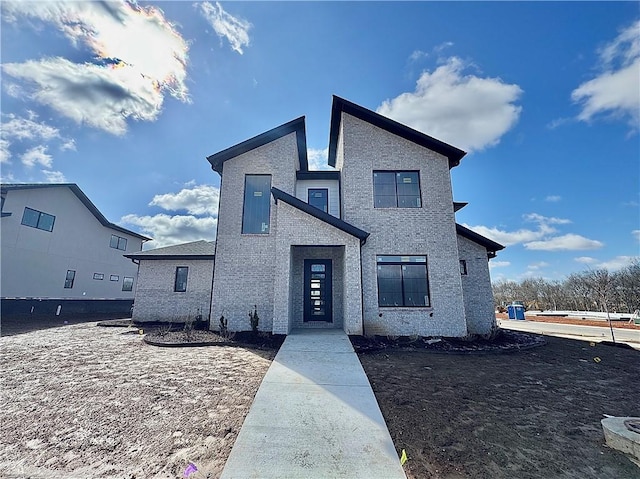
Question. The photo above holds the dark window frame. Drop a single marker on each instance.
(405, 279)
(69, 279)
(463, 268)
(120, 242)
(249, 208)
(326, 197)
(182, 287)
(116, 276)
(395, 200)
(127, 285)
(40, 220)
(98, 276)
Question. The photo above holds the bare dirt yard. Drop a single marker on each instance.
(527, 414)
(80, 401)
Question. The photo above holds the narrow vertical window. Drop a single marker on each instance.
(180, 285)
(127, 283)
(319, 197)
(257, 204)
(68, 281)
(463, 267)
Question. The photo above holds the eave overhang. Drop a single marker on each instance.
(491, 246)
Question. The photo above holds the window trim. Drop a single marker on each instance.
(396, 173)
(119, 241)
(326, 190)
(98, 276)
(41, 214)
(402, 262)
(186, 280)
(116, 276)
(68, 281)
(124, 283)
(244, 205)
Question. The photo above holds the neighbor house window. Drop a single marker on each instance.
(180, 285)
(118, 242)
(403, 281)
(38, 219)
(68, 281)
(257, 204)
(319, 197)
(114, 277)
(99, 276)
(463, 267)
(396, 189)
(127, 283)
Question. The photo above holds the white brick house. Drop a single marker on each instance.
(372, 247)
(174, 282)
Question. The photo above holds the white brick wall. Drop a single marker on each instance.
(155, 298)
(476, 286)
(429, 230)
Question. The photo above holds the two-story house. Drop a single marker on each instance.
(372, 247)
(61, 256)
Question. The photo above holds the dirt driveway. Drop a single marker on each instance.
(82, 401)
(527, 415)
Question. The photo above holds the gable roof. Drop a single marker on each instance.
(319, 214)
(195, 250)
(491, 246)
(298, 126)
(341, 105)
(81, 196)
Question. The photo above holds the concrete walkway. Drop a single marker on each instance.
(314, 416)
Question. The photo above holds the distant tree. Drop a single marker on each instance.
(601, 284)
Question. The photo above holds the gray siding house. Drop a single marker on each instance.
(60, 255)
(174, 283)
(371, 248)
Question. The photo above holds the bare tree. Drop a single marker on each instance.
(601, 284)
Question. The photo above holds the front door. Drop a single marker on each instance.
(317, 290)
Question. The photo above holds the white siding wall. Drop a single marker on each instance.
(302, 193)
(35, 262)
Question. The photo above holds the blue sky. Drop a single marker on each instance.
(127, 100)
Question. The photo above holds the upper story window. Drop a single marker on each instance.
(38, 219)
(257, 204)
(180, 285)
(319, 197)
(396, 189)
(69, 279)
(118, 242)
(403, 281)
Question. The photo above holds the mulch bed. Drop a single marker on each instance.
(197, 338)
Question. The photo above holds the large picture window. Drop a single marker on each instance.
(180, 285)
(38, 219)
(403, 281)
(396, 189)
(257, 204)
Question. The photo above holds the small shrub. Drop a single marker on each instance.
(188, 329)
(164, 330)
(254, 319)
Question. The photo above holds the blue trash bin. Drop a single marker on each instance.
(511, 311)
(519, 312)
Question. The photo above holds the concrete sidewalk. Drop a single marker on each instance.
(314, 416)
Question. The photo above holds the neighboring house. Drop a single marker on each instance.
(60, 255)
(372, 247)
(174, 283)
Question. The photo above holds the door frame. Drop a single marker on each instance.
(306, 298)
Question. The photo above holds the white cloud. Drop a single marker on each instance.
(318, 159)
(234, 29)
(568, 242)
(553, 198)
(466, 111)
(507, 238)
(585, 259)
(499, 264)
(615, 90)
(545, 220)
(417, 55)
(168, 230)
(197, 200)
(18, 128)
(5, 154)
(140, 57)
(636, 234)
(54, 176)
(618, 262)
(36, 155)
(537, 266)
